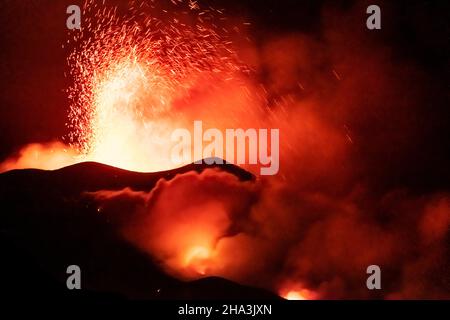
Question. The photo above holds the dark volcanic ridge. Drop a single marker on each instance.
(46, 226)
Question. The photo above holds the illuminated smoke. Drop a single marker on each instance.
(48, 156)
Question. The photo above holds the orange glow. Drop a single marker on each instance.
(131, 77)
(122, 134)
(294, 295)
(298, 294)
(134, 80)
(197, 259)
(48, 156)
(139, 73)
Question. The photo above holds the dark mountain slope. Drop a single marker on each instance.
(46, 226)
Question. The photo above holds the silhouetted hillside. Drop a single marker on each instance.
(46, 225)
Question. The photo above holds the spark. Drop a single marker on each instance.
(129, 70)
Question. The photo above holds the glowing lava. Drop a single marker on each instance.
(197, 259)
(135, 79)
(298, 294)
(132, 75)
(125, 130)
(294, 295)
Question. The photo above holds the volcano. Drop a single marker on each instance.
(47, 224)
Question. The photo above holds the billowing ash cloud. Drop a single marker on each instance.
(348, 113)
(274, 236)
